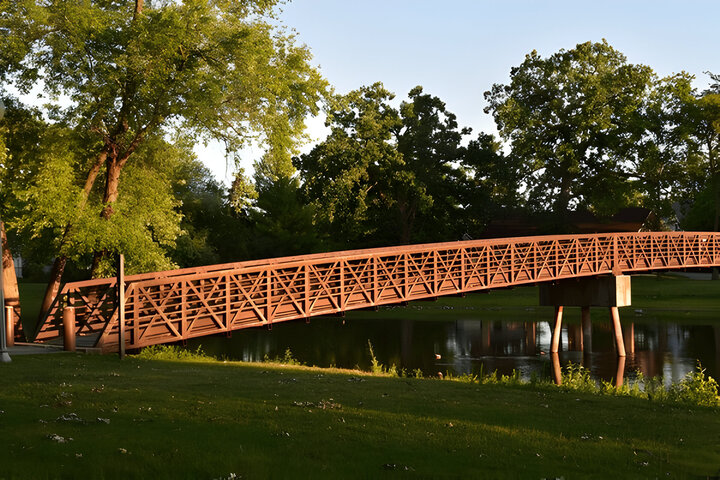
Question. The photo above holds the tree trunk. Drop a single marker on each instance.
(561, 205)
(112, 183)
(53, 286)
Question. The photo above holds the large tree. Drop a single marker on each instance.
(704, 117)
(661, 161)
(348, 175)
(492, 185)
(119, 72)
(387, 174)
(565, 117)
(42, 184)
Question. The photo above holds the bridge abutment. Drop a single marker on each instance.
(610, 291)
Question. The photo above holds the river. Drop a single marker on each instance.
(484, 340)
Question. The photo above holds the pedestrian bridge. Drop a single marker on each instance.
(172, 306)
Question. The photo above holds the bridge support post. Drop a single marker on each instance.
(10, 326)
(617, 329)
(68, 316)
(611, 291)
(557, 371)
(557, 330)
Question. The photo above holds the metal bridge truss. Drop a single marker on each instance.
(176, 305)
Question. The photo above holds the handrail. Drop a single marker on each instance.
(176, 305)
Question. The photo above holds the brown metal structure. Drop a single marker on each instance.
(176, 305)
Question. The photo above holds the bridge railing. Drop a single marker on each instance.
(181, 304)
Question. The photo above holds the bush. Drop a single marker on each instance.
(173, 352)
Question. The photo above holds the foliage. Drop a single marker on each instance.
(281, 223)
(696, 389)
(129, 73)
(704, 169)
(661, 155)
(347, 176)
(173, 353)
(378, 368)
(286, 359)
(204, 215)
(566, 119)
(493, 182)
(44, 186)
(575, 377)
(388, 175)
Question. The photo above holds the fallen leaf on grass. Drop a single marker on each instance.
(58, 438)
(70, 417)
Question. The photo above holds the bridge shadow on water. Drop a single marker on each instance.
(482, 342)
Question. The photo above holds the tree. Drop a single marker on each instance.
(209, 69)
(661, 157)
(348, 175)
(279, 222)
(387, 175)
(493, 182)
(565, 117)
(430, 205)
(705, 118)
(203, 208)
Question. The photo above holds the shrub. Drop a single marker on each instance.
(173, 352)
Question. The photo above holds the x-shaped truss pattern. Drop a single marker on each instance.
(174, 306)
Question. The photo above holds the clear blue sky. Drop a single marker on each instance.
(456, 49)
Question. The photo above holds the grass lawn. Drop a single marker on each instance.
(172, 419)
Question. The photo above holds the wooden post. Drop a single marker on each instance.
(555, 347)
(121, 304)
(10, 326)
(617, 328)
(557, 371)
(68, 317)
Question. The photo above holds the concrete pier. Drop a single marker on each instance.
(610, 291)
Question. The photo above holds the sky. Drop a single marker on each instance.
(457, 49)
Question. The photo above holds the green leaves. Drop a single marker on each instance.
(198, 69)
(566, 117)
(386, 175)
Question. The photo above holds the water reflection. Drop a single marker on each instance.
(482, 345)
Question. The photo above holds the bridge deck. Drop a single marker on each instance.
(169, 306)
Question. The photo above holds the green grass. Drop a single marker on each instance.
(194, 418)
(199, 419)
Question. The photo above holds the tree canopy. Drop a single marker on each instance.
(117, 74)
(566, 119)
(387, 174)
